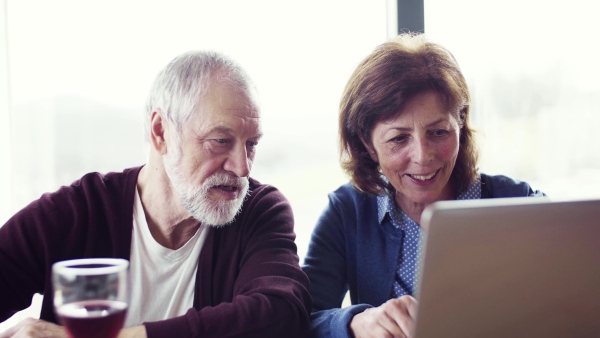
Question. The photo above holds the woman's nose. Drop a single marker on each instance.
(422, 152)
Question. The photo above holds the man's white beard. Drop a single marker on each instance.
(197, 200)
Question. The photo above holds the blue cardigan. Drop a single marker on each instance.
(350, 250)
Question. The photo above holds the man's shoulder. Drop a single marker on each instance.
(262, 197)
(256, 189)
(95, 198)
(264, 207)
(96, 185)
(109, 178)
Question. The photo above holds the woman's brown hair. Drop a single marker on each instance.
(381, 85)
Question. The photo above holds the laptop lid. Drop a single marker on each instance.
(511, 267)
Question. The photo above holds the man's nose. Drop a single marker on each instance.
(238, 162)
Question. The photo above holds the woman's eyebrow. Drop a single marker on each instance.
(436, 122)
(428, 125)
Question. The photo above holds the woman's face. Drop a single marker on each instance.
(417, 150)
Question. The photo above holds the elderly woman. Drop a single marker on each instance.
(406, 142)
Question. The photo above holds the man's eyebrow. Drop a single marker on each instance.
(199, 134)
(219, 129)
(225, 130)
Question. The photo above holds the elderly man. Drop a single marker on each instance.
(211, 250)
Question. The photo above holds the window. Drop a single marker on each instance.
(532, 69)
(78, 74)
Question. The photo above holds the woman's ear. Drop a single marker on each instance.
(157, 132)
(369, 146)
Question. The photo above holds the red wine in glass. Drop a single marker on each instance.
(91, 296)
(93, 318)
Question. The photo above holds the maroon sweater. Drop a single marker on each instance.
(249, 283)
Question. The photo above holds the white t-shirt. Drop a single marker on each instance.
(162, 280)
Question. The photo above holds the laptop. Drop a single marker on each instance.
(511, 267)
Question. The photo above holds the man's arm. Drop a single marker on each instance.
(37, 328)
(23, 266)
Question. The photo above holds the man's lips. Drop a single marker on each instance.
(229, 188)
(229, 192)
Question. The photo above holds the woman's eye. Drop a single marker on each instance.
(440, 132)
(400, 138)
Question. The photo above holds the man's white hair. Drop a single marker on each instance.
(178, 88)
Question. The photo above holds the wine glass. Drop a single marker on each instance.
(91, 296)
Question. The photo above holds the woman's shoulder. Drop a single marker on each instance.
(505, 186)
(349, 192)
(350, 201)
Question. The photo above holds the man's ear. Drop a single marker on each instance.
(157, 131)
(369, 147)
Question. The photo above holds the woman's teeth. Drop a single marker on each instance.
(422, 178)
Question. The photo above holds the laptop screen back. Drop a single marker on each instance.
(518, 267)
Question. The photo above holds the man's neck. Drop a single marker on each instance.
(169, 223)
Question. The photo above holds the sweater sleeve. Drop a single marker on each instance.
(326, 265)
(22, 262)
(48, 230)
(80, 220)
(251, 284)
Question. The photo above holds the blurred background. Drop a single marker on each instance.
(74, 77)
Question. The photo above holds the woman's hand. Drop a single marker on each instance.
(393, 319)
(34, 328)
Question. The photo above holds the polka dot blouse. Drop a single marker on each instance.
(408, 258)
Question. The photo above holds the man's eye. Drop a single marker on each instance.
(221, 143)
(252, 144)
